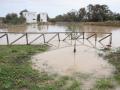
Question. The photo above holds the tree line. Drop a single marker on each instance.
(13, 18)
(91, 13)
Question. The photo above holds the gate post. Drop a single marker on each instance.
(7, 39)
(110, 38)
(26, 38)
(59, 37)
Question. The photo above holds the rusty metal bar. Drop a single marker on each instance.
(104, 37)
(102, 44)
(17, 39)
(91, 43)
(3, 35)
(79, 36)
(52, 32)
(66, 37)
(52, 38)
(91, 36)
(35, 39)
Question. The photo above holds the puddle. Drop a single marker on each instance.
(64, 62)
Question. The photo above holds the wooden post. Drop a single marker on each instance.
(83, 37)
(44, 38)
(59, 37)
(7, 39)
(27, 39)
(95, 39)
(75, 34)
(110, 38)
(71, 36)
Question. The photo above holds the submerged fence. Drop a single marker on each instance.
(13, 38)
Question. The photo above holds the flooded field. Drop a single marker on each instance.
(60, 58)
(65, 28)
(84, 64)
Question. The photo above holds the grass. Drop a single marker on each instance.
(16, 72)
(114, 58)
(104, 84)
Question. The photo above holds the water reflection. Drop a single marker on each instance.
(62, 27)
(16, 29)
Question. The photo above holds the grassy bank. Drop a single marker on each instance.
(112, 83)
(114, 58)
(16, 72)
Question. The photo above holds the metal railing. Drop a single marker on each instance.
(65, 36)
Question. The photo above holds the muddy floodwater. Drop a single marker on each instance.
(84, 62)
(60, 58)
(65, 62)
(64, 28)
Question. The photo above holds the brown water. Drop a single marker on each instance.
(62, 28)
(84, 62)
(60, 58)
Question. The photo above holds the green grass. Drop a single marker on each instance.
(114, 58)
(16, 72)
(104, 84)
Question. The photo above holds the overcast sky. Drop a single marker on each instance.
(52, 7)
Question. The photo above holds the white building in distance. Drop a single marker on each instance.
(43, 17)
(31, 17)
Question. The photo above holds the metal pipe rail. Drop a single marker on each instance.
(70, 35)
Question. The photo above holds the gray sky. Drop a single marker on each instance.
(52, 7)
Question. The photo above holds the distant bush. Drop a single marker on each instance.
(14, 19)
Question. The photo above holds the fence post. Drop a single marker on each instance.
(95, 39)
(110, 38)
(83, 37)
(44, 38)
(27, 39)
(59, 37)
(7, 39)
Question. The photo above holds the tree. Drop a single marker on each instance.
(13, 19)
(82, 14)
(94, 13)
(21, 20)
(116, 16)
(99, 13)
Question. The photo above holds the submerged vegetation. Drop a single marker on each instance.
(114, 58)
(113, 82)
